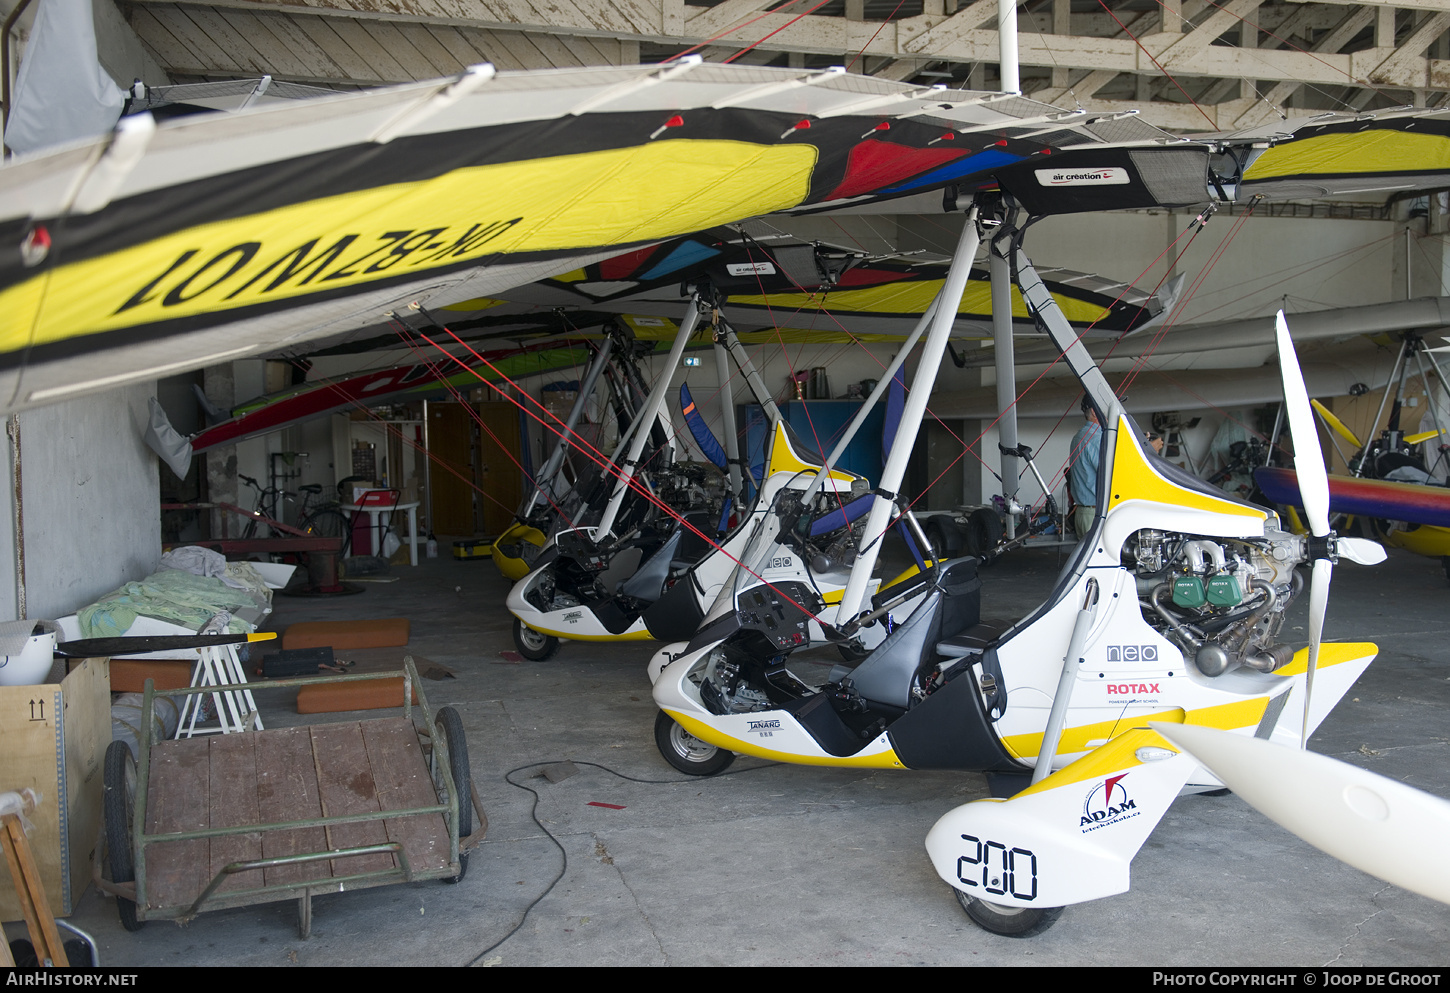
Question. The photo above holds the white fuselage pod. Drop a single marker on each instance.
(1129, 673)
(710, 575)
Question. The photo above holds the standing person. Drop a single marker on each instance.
(1083, 478)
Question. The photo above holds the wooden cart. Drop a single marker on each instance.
(237, 819)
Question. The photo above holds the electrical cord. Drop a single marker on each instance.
(564, 856)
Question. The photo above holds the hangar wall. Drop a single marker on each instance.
(89, 486)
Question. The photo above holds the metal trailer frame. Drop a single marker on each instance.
(210, 899)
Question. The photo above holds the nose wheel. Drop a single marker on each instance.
(1011, 922)
(687, 753)
(534, 645)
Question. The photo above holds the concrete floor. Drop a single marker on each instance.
(783, 865)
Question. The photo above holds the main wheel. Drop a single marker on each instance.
(1011, 922)
(451, 725)
(687, 753)
(120, 799)
(534, 645)
(984, 530)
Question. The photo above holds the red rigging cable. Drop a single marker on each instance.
(403, 333)
(888, 20)
(1165, 72)
(734, 27)
(634, 483)
(1196, 228)
(778, 30)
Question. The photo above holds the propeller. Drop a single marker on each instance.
(1375, 824)
(85, 648)
(1313, 492)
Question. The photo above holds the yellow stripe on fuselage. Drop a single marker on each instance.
(1134, 479)
(1120, 753)
(713, 736)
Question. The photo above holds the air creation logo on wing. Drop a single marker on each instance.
(1108, 803)
(750, 269)
(1112, 176)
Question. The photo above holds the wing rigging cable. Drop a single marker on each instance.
(633, 482)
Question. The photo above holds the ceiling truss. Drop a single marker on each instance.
(1192, 65)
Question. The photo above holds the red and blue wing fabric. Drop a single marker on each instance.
(705, 438)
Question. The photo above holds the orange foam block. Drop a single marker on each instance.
(130, 675)
(364, 694)
(384, 632)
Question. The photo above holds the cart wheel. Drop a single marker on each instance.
(120, 781)
(687, 753)
(534, 645)
(452, 727)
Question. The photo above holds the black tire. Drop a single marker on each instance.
(534, 645)
(328, 523)
(120, 799)
(984, 531)
(1010, 922)
(451, 726)
(945, 537)
(687, 753)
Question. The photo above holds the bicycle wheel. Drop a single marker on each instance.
(328, 523)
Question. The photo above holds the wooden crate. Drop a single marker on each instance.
(53, 739)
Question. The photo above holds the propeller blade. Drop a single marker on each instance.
(1318, 601)
(1308, 456)
(1336, 425)
(1375, 824)
(1360, 551)
(89, 648)
(1415, 439)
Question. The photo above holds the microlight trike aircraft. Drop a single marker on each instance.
(1169, 610)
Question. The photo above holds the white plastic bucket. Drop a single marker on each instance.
(33, 663)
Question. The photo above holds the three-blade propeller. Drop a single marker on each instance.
(1314, 492)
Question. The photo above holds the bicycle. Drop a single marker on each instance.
(265, 509)
(326, 519)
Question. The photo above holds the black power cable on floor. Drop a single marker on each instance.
(534, 815)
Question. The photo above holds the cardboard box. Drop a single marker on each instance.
(54, 738)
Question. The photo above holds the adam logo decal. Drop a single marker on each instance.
(1108, 803)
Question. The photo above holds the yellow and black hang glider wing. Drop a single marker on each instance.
(1338, 155)
(167, 247)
